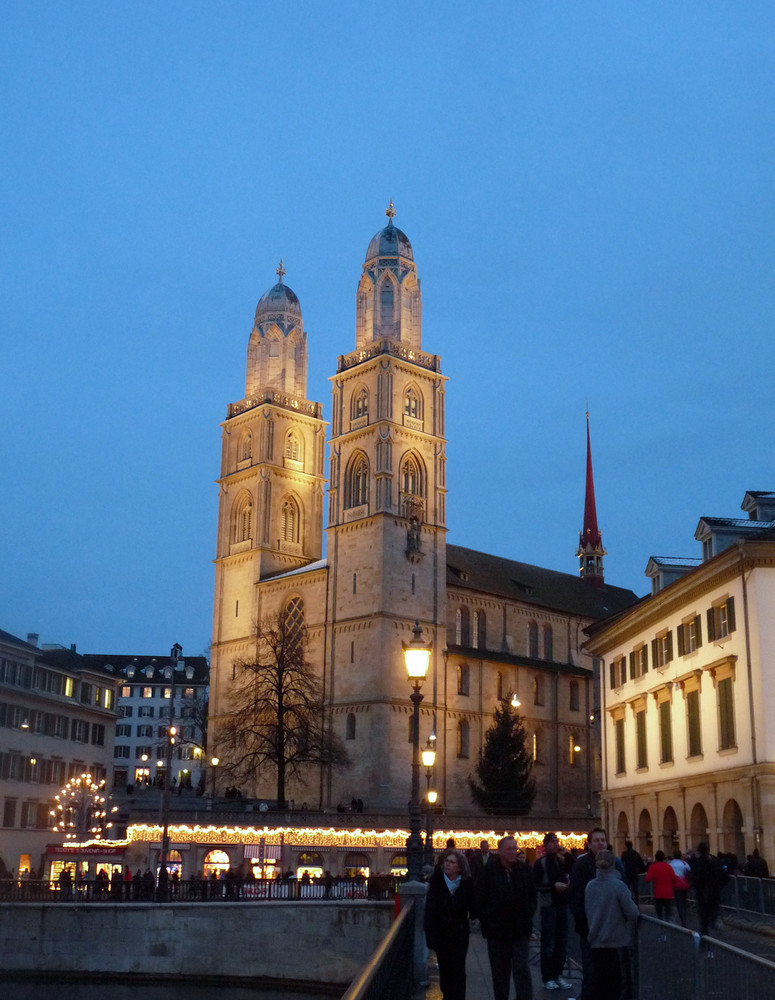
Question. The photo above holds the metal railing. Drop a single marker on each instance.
(388, 973)
(378, 887)
(671, 961)
(752, 895)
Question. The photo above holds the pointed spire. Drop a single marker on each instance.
(390, 212)
(280, 271)
(590, 551)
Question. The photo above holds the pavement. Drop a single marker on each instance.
(479, 981)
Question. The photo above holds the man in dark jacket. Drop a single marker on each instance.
(507, 902)
(633, 867)
(550, 877)
(708, 879)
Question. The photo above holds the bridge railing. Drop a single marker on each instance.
(671, 961)
(388, 973)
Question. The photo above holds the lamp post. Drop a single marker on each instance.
(171, 671)
(416, 659)
(215, 761)
(429, 759)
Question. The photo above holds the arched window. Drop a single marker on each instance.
(245, 447)
(293, 619)
(360, 403)
(548, 643)
(463, 679)
(293, 448)
(243, 519)
(478, 630)
(289, 520)
(532, 640)
(462, 738)
(461, 627)
(412, 403)
(349, 729)
(539, 692)
(386, 298)
(357, 482)
(499, 686)
(536, 747)
(573, 701)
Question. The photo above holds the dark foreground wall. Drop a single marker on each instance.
(325, 942)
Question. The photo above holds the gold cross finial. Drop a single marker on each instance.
(280, 270)
(390, 211)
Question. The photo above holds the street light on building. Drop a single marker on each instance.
(215, 761)
(170, 672)
(416, 659)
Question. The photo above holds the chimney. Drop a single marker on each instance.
(32, 638)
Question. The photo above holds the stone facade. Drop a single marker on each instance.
(387, 565)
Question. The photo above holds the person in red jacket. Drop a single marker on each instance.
(664, 879)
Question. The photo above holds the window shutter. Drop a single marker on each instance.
(632, 666)
(711, 624)
(644, 653)
(698, 628)
(731, 613)
(669, 638)
(612, 673)
(654, 659)
(681, 639)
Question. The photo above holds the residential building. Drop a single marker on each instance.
(57, 721)
(689, 727)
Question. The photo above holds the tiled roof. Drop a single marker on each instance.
(534, 585)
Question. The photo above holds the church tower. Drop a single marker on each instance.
(387, 521)
(590, 551)
(270, 503)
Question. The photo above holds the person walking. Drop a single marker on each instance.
(551, 875)
(681, 887)
(708, 877)
(662, 878)
(449, 907)
(612, 915)
(634, 866)
(506, 903)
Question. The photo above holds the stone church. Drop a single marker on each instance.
(499, 629)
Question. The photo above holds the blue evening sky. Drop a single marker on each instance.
(588, 188)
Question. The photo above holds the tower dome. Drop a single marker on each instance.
(280, 305)
(389, 242)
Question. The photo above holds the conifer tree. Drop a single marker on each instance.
(505, 784)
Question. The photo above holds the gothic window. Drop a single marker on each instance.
(293, 616)
(413, 403)
(463, 679)
(573, 700)
(478, 630)
(360, 403)
(243, 519)
(293, 447)
(499, 687)
(461, 627)
(357, 482)
(462, 738)
(548, 642)
(349, 730)
(245, 447)
(386, 297)
(289, 520)
(539, 690)
(411, 477)
(532, 640)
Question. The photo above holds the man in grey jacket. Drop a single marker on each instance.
(612, 915)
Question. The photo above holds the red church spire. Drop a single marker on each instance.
(590, 551)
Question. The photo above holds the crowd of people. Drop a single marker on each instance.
(596, 890)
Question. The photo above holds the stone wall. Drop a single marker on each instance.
(326, 942)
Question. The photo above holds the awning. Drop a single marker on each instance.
(273, 851)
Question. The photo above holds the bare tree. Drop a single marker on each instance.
(275, 710)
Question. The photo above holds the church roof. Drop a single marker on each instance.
(545, 588)
(279, 304)
(390, 241)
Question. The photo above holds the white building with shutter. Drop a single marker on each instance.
(688, 721)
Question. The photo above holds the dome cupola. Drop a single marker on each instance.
(279, 305)
(277, 349)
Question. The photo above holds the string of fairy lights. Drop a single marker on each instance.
(81, 811)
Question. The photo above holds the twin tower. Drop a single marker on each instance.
(385, 565)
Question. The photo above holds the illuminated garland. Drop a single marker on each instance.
(333, 837)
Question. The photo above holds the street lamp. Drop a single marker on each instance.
(175, 652)
(428, 760)
(215, 761)
(417, 657)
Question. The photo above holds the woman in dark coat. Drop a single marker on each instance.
(449, 906)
